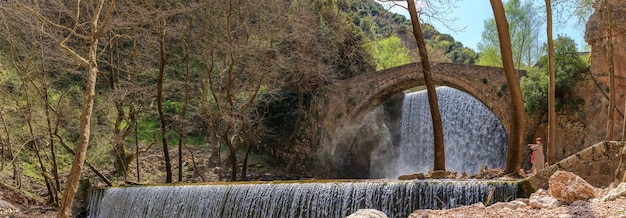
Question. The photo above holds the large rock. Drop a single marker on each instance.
(568, 187)
(367, 213)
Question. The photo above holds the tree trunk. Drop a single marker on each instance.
(551, 146)
(233, 157)
(609, 53)
(85, 117)
(514, 154)
(440, 159)
(244, 165)
(181, 132)
(166, 155)
(122, 157)
(84, 132)
(52, 193)
(16, 169)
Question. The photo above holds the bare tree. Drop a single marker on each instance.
(77, 25)
(514, 154)
(237, 66)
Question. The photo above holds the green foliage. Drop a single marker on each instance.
(372, 18)
(568, 65)
(523, 27)
(535, 90)
(376, 23)
(389, 52)
(489, 56)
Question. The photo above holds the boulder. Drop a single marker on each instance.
(615, 193)
(367, 213)
(541, 199)
(569, 187)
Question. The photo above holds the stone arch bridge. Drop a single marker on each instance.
(348, 100)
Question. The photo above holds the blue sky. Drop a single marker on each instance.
(470, 16)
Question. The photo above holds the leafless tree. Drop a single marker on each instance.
(238, 64)
(74, 22)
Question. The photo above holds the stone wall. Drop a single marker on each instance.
(596, 164)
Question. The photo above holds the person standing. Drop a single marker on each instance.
(537, 158)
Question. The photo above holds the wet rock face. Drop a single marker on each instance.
(569, 187)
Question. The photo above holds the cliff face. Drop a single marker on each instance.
(596, 36)
(583, 124)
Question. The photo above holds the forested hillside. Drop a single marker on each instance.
(379, 24)
(215, 79)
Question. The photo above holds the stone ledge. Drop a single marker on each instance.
(595, 164)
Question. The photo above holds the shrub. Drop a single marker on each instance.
(568, 65)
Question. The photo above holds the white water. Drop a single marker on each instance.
(473, 135)
(324, 199)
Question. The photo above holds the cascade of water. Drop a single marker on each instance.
(473, 135)
(324, 199)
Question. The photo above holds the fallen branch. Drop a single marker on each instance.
(493, 189)
(71, 151)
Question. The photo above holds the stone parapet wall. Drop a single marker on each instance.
(596, 164)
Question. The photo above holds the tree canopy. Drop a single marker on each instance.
(524, 24)
(568, 66)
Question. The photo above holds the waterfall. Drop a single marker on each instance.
(473, 135)
(294, 199)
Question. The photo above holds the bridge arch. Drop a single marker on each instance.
(348, 99)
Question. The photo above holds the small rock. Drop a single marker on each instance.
(541, 199)
(6, 207)
(367, 213)
(615, 193)
(498, 205)
(569, 187)
(513, 205)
